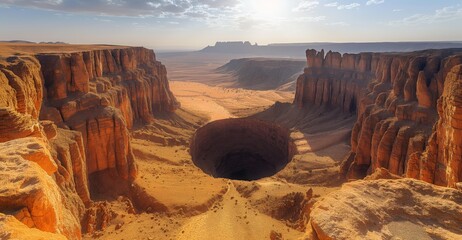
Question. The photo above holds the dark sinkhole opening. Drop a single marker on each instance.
(241, 149)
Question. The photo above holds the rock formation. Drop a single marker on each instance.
(11, 228)
(64, 131)
(362, 210)
(398, 99)
(333, 80)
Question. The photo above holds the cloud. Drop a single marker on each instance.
(132, 8)
(342, 7)
(305, 6)
(332, 4)
(348, 6)
(375, 2)
(440, 15)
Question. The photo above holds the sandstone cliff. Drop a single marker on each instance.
(398, 98)
(64, 130)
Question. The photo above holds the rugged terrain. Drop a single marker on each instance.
(65, 128)
(95, 142)
(406, 106)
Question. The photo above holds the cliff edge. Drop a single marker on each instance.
(64, 130)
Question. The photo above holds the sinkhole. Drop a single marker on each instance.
(241, 149)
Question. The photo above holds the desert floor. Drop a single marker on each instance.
(193, 205)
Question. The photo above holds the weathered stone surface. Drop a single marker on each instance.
(332, 82)
(32, 149)
(388, 209)
(21, 85)
(444, 154)
(11, 228)
(106, 136)
(25, 184)
(16, 125)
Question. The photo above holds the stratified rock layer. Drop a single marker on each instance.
(396, 99)
(388, 209)
(86, 102)
(101, 93)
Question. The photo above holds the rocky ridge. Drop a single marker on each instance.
(406, 105)
(64, 131)
(362, 210)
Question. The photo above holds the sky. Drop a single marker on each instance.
(194, 24)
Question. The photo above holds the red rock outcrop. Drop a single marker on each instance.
(333, 81)
(11, 228)
(443, 157)
(395, 97)
(100, 94)
(86, 102)
(28, 188)
(388, 209)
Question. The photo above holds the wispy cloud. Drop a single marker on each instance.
(375, 2)
(305, 6)
(332, 4)
(440, 15)
(342, 6)
(348, 6)
(125, 8)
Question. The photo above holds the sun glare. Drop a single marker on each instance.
(267, 8)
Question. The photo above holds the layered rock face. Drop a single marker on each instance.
(333, 80)
(101, 93)
(64, 118)
(398, 98)
(388, 209)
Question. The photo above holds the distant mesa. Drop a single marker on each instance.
(296, 50)
(17, 41)
(53, 43)
(264, 73)
(30, 42)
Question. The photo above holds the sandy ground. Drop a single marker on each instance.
(186, 203)
(220, 103)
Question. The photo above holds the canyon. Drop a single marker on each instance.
(65, 129)
(96, 142)
(406, 105)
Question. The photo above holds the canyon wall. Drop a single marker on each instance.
(334, 81)
(64, 130)
(407, 109)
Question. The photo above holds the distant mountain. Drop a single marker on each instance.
(29, 42)
(297, 50)
(17, 41)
